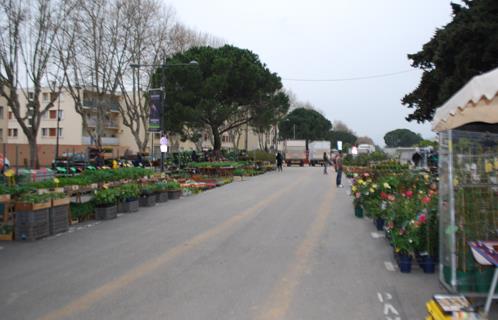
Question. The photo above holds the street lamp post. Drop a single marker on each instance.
(57, 130)
(163, 83)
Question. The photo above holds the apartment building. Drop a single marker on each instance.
(63, 125)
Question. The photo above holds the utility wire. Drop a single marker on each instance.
(383, 75)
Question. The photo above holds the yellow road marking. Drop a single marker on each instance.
(282, 294)
(84, 302)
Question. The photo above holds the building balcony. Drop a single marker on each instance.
(92, 123)
(106, 141)
(92, 105)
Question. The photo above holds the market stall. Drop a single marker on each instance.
(468, 165)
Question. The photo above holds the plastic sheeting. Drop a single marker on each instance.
(477, 101)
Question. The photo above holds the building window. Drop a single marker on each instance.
(61, 114)
(44, 132)
(31, 95)
(46, 97)
(205, 137)
(10, 115)
(12, 132)
(53, 114)
(1, 134)
(51, 132)
(60, 132)
(1, 112)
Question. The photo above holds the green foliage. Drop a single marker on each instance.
(106, 197)
(465, 47)
(239, 172)
(219, 164)
(364, 159)
(228, 88)
(129, 191)
(161, 186)
(260, 155)
(308, 124)
(82, 211)
(172, 185)
(147, 189)
(401, 138)
(346, 138)
(40, 198)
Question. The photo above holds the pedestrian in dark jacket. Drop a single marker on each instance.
(338, 167)
(280, 161)
(326, 163)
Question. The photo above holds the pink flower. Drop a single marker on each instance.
(422, 218)
(426, 200)
(391, 197)
(409, 194)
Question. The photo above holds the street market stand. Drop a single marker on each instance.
(467, 125)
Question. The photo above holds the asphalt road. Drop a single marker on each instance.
(277, 246)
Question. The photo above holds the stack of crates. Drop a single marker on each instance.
(32, 225)
(58, 220)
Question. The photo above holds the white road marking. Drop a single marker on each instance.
(379, 295)
(389, 266)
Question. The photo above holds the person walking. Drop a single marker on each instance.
(326, 162)
(338, 168)
(280, 161)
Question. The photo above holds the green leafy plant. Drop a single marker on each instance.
(105, 197)
(147, 189)
(82, 211)
(172, 185)
(128, 192)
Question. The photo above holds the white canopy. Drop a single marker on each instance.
(477, 101)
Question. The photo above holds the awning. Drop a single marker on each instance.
(477, 101)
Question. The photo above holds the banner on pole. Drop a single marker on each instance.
(155, 107)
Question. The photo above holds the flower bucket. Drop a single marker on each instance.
(379, 224)
(428, 264)
(358, 211)
(405, 263)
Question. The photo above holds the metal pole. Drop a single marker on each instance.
(161, 120)
(57, 133)
(294, 126)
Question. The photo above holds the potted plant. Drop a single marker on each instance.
(161, 191)
(105, 204)
(59, 213)
(82, 211)
(32, 216)
(147, 196)
(128, 195)
(174, 190)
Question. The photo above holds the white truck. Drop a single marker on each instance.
(316, 150)
(365, 148)
(295, 152)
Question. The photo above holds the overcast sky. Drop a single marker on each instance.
(334, 39)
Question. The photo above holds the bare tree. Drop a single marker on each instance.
(92, 54)
(149, 25)
(27, 44)
(364, 140)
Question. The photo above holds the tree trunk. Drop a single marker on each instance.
(33, 153)
(216, 142)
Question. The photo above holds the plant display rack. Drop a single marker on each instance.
(468, 207)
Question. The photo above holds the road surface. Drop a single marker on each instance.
(277, 246)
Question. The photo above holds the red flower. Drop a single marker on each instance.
(422, 218)
(409, 194)
(384, 195)
(426, 200)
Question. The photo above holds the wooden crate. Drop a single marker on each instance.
(22, 206)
